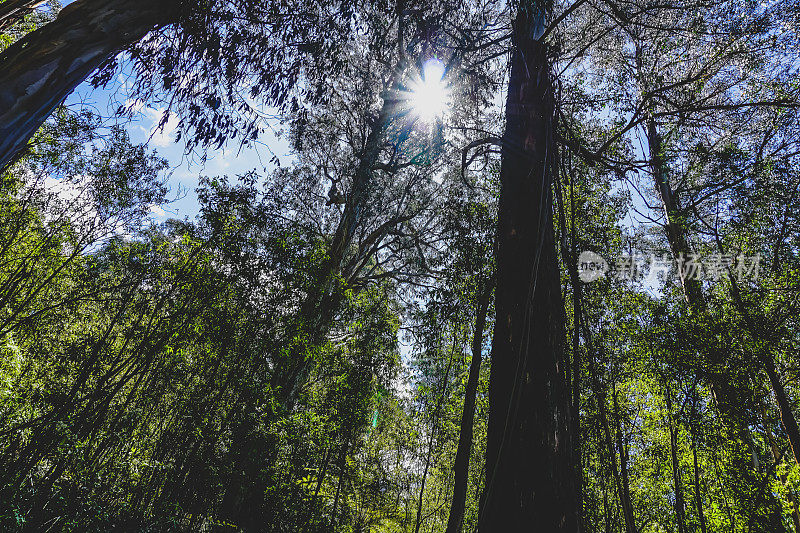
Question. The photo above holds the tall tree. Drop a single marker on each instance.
(196, 61)
(530, 471)
(461, 463)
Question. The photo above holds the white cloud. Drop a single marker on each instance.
(65, 190)
(161, 136)
(134, 104)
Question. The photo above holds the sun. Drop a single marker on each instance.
(430, 95)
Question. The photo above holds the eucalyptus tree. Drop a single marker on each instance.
(736, 222)
(690, 82)
(473, 263)
(81, 187)
(530, 468)
(381, 158)
(209, 64)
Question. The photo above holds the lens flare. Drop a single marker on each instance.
(430, 97)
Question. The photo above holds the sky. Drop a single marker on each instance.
(184, 170)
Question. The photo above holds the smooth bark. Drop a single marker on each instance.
(674, 217)
(40, 70)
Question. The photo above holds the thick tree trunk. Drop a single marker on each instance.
(530, 471)
(461, 463)
(40, 70)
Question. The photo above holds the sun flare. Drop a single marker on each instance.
(430, 96)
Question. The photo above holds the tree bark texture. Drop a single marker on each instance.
(40, 70)
(530, 470)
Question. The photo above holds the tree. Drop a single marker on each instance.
(530, 472)
(195, 54)
(13, 11)
(40, 70)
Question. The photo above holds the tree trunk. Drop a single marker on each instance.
(313, 510)
(677, 477)
(606, 509)
(530, 470)
(627, 513)
(788, 420)
(40, 70)
(570, 256)
(601, 400)
(698, 494)
(625, 496)
(321, 305)
(461, 463)
(342, 464)
(436, 415)
(675, 226)
(776, 454)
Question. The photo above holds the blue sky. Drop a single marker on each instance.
(184, 170)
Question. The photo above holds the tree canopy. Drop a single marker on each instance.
(532, 265)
